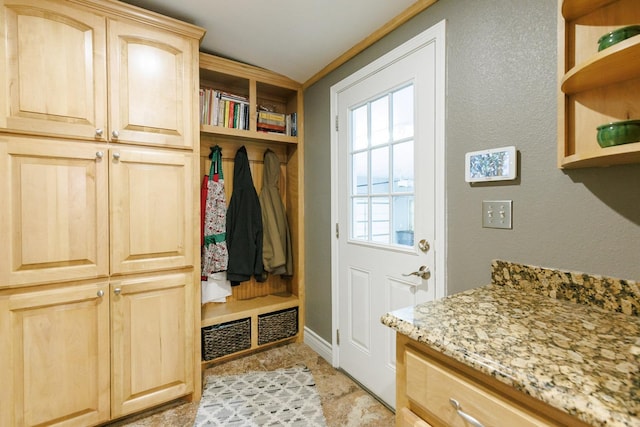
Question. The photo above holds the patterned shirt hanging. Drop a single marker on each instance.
(214, 249)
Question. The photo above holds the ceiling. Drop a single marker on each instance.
(296, 38)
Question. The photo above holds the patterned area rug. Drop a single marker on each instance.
(285, 397)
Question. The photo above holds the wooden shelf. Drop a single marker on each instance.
(248, 134)
(595, 88)
(215, 313)
(573, 9)
(627, 153)
(612, 65)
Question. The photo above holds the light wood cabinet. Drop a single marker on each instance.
(57, 201)
(54, 211)
(98, 182)
(151, 204)
(596, 88)
(151, 340)
(56, 81)
(54, 362)
(52, 69)
(444, 392)
(262, 88)
(151, 86)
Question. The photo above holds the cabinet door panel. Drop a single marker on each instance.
(58, 343)
(152, 341)
(54, 208)
(151, 195)
(151, 86)
(53, 69)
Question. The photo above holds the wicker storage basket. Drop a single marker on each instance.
(277, 325)
(226, 338)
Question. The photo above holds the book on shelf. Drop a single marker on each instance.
(269, 121)
(266, 127)
(225, 109)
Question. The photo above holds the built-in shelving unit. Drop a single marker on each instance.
(263, 89)
(596, 88)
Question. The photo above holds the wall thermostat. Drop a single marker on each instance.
(496, 164)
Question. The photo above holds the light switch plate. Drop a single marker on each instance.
(496, 213)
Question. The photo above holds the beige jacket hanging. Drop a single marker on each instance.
(277, 255)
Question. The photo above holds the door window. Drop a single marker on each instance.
(382, 169)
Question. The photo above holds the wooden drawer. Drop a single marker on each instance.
(431, 386)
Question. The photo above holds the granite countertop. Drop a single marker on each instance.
(581, 359)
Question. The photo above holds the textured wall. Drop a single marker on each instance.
(501, 90)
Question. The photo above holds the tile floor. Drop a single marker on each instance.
(345, 404)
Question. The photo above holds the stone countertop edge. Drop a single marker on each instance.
(581, 359)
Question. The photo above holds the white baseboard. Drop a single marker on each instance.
(319, 345)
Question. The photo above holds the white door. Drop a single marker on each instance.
(388, 150)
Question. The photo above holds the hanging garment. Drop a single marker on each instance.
(277, 256)
(214, 249)
(244, 225)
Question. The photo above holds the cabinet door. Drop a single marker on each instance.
(52, 69)
(54, 361)
(151, 196)
(152, 341)
(151, 86)
(53, 211)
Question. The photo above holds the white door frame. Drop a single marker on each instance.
(435, 33)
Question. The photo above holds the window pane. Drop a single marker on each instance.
(403, 220)
(403, 113)
(380, 121)
(380, 219)
(359, 128)
(403, 167)
(360, 218)
(380, 170)
(360, 177)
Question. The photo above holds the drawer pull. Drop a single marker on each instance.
(468, 418)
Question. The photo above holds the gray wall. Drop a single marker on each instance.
(501, 90)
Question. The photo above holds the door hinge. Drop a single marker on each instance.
(338, 336)
(337, 125)
(337, 231)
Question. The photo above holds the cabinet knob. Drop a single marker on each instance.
(100, 293)
(99, 133)
(117, 291)
(116, 156)
(99, 154)
(115, 134)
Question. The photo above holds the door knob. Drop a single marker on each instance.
(115, 134)
(117, 291)
(116, 156)
(423, 245)
(423, 272)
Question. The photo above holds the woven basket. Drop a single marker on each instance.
(226, 338)
(277, 325)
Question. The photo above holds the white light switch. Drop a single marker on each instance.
(496, 213)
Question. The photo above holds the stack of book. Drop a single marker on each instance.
(219, 108)
(272, 122)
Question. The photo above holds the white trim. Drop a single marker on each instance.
(435, 34)
(317, 344)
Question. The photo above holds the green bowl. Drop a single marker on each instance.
(619, 133)
(617, 36)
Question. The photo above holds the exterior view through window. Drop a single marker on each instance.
(382, 171)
